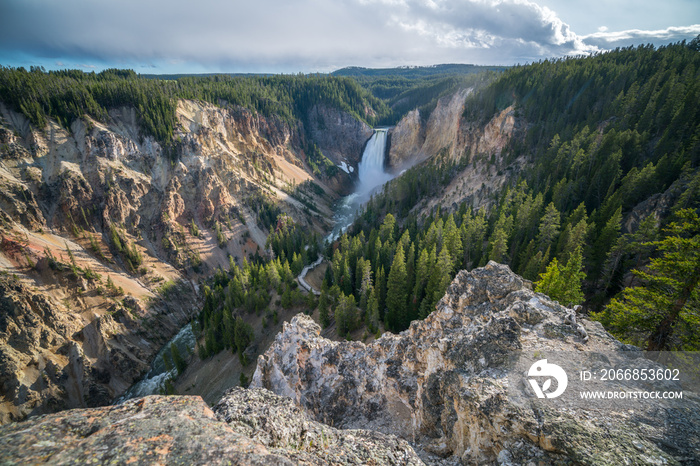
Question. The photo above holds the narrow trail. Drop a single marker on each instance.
(306, 270)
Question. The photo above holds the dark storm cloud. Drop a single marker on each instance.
(298, 35)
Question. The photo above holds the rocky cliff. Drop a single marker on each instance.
(445, 130)
(248, 427)
(417, 137)
(339, 135)
(452, 389)
(453, 384)
(446, 133)
(104, 234)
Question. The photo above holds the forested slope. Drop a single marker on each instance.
(598, 175)
(604, 162)
(612, 147)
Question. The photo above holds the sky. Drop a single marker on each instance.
(291, 36)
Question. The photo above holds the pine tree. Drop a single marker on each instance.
(323, 305)
(287, 275)
(423, 268)
(443, 269)
(337, 266)
(411, 280)
(273, 275)
(573, 276)
(243, 335)
(549, 227)
(346, 315)
(74, 266)
(366, 286)
(664, 312)
(397, 315)
(386, 231)
(346, 280)
(550, 281)
(110, 284)
(286, 301)
(452, 240)
(606, 240)
(297, 264)
(229, 328)
(563, 284)
(498, 245)
(473, 234)
(180, 363)
(380, 287)
(372, 314)
(359, 268)
(574, 237)
(114, 237)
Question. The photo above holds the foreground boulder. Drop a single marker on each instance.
(250, 427)
(461, 386)
(286, 429)
(455, 384)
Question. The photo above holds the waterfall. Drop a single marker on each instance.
(371, 176)
(371, 169)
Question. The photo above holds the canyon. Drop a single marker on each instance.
(81, 323)
(449, 390)
(360, 281)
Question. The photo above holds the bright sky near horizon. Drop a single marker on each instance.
(282, 36)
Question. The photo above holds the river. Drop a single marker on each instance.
(371, 177)
(154, 381)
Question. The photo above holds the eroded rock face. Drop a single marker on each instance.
(151, 430)
(52, 358)
(447, 382)
(285, 428)
(446, 133)
(247, 427)
(340, 136)
(414, 139)
(68, 188)
(407, 139)
(30, 326)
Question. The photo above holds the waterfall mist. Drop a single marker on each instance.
(371, 177)
(371, 174)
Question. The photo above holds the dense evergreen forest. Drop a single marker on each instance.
(407, 88)
(603, 134)
(600, 135)
(378, 100)
(70, 94)
(416, 72)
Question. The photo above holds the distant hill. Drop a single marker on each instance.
(416, 71)
(175, 77)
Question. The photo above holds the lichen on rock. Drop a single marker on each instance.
(247, 427)
(447, 383)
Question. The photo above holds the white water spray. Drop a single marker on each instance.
(154, 381)
(371, 170)
(371, 177)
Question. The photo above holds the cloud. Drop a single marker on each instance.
(612, 39)
(278, 35)
(514, 28)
